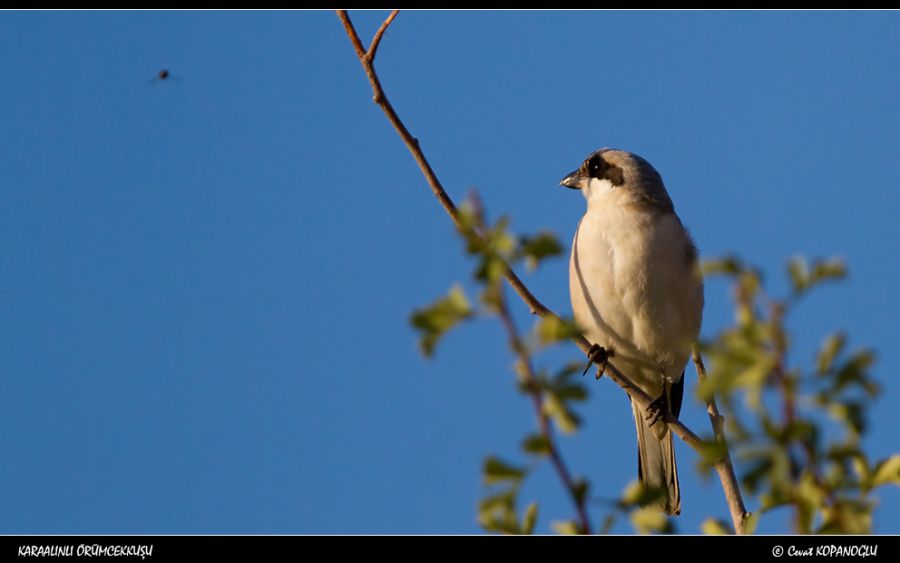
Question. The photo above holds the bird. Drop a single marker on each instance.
(637, 293)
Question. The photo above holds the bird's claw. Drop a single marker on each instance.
(597, 355)
(656, 410)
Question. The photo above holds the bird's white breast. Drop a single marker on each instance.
(634, 287)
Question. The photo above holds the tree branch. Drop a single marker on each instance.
(366, 59)
(370, 54)
(537, 398)
(351, 32)
(739, 514)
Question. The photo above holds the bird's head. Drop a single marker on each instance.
(616, 177)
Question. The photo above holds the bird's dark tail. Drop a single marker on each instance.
(656, 461)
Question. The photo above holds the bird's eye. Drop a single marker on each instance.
(595, 166)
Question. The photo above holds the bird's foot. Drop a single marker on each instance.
(656, 410)
(597, 355)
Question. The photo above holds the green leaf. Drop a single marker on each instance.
(850, 412)
(490, 296)
(831, 269)
(566, 527)
(501, 501)
(750, 523)
(468, 214)
(748, 286)
(535, 249)
(496, 470)
(829, 351)
(798, 272)
(575, 391)
(755, 375)
(536, 444)
(808, 497)
(861, 470)
(530, 519)
(772, 500)
(442, 315)
(715, 527)
(553, 329)
(491, 269)
(501, 522)
(567, 420)
(564, 387)
(497, 513)
(710, 386)
(711, 451)
(753, 379)
(853, 372)
(580, 489)
(803, 431)
(608, 522)
(500, 240)
(758, 473)
(568, 370)
(494, 245)
(887, 471)
(649, 519)
(638, 493)
(847, 516)
(803, 277)
(729, 265)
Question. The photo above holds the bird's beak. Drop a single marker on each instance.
(574, 180)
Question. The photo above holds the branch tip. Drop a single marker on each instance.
(373, 47)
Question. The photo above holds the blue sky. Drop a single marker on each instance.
(206, 282)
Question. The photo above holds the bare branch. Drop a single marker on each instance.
(351, 31)
(373, 48)
(637, 395)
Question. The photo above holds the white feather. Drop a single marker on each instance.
(632, 287)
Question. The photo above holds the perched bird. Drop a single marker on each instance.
(637, 291)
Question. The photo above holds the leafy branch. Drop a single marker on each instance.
(367, 60)
(801, 440)
(550, 397)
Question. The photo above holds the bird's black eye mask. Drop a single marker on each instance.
(596, 167)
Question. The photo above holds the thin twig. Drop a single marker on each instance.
(537, 398)
(370, 54)
(351, 32)
(637, 394)
(739, 514)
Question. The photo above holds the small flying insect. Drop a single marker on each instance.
(164, 74)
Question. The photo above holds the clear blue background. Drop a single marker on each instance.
(206, 282)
